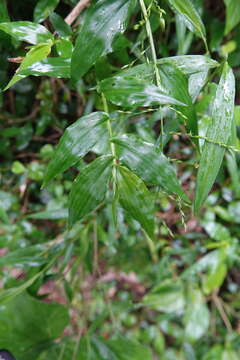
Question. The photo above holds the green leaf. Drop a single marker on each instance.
(218, 131)
(60, 26)
(128, 349)
(54, 67)
(104, 20)
(37, 53)
(31, 255)
(76, 141)
(167, 297)
(150, 164)
(129, 91)
(190, 64)
(196, 317)
(89, 188)
(188, 11)
(43, 9)
(26, 31)
(232, 15)
(136, 199)
(26, 323)
(3, 11)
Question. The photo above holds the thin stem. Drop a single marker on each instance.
(152, 248)
(81, 5)
(221, 311)
(151, 41)
(105, 106)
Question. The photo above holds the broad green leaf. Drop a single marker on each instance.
(60, 26)
(218, 131)
(64, 48)
(196, 83)
(3, 11)
(188, 11)
(197, 316)
(26, 323)
(76, 141)
(232, 14)
(89, 188)
(129, 91)
(26, 31)
(167, 297)
(54, 67)
(43, 9)
(190, 64)
(150, 164)
(37, 53)
(104, 20)
(136, 199)
(128, 349)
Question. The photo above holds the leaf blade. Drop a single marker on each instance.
(76, 141)
(219, 131)
(89, 188)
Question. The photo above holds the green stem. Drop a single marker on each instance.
(150, 36)
(152, 248)
(109, 126)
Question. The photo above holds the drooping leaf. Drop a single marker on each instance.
(189, 12)
(46, 321)
(218, 131)
(127, 349)
(76, 141)
(37, 53)
(43, 9)
(26, 31)
(136, 199)
(103, 21)
(89, 188)
(54, 67)
(129, 91)
(232, 15)
(197, 316)
(150, 164)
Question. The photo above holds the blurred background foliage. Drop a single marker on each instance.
(97, 291)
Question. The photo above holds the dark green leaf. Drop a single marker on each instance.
(46, 321)
(104, 20)
(147, 162)
(136, 199)
(3, 11)
(219, 131)
(76, 141)
(30, 255)
(54, 67)
(89, 188)
(43, 9)
(26, 31)
(61, 27)
(129, 91)
(127, 349)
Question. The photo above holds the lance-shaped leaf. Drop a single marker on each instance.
(219, 131)
(150, 164)
(54, 67)
(43, 9)
(129, 91)
(188, 11)
(89, 188)
(26, 31)
(136, 199)
(232, 14)
(76, 141)
(37, 53)
(104, 20)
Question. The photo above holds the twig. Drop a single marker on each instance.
(222, 312)
(81, 5)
